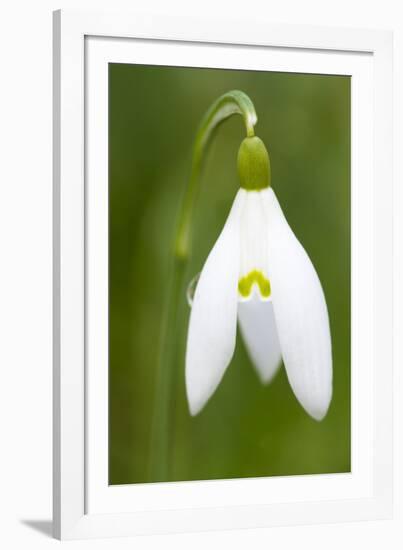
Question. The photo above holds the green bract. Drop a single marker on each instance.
(253, 164)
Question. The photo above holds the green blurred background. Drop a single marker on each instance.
(246, 429)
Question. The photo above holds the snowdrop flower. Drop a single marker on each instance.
(259, 274)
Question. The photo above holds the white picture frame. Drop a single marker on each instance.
(84, 505)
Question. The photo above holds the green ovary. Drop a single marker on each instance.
(254, 277)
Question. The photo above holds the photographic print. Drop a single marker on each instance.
(229, 274)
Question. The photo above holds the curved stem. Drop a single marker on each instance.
(231, 103)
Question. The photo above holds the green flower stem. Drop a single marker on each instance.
(231, 103)
(164, 404)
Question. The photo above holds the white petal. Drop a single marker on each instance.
(253, 235)
(301, 314)
(212, 324)
(259, 332)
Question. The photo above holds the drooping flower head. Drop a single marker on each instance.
(259, 275)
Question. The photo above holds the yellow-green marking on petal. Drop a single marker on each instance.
(254, 277)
